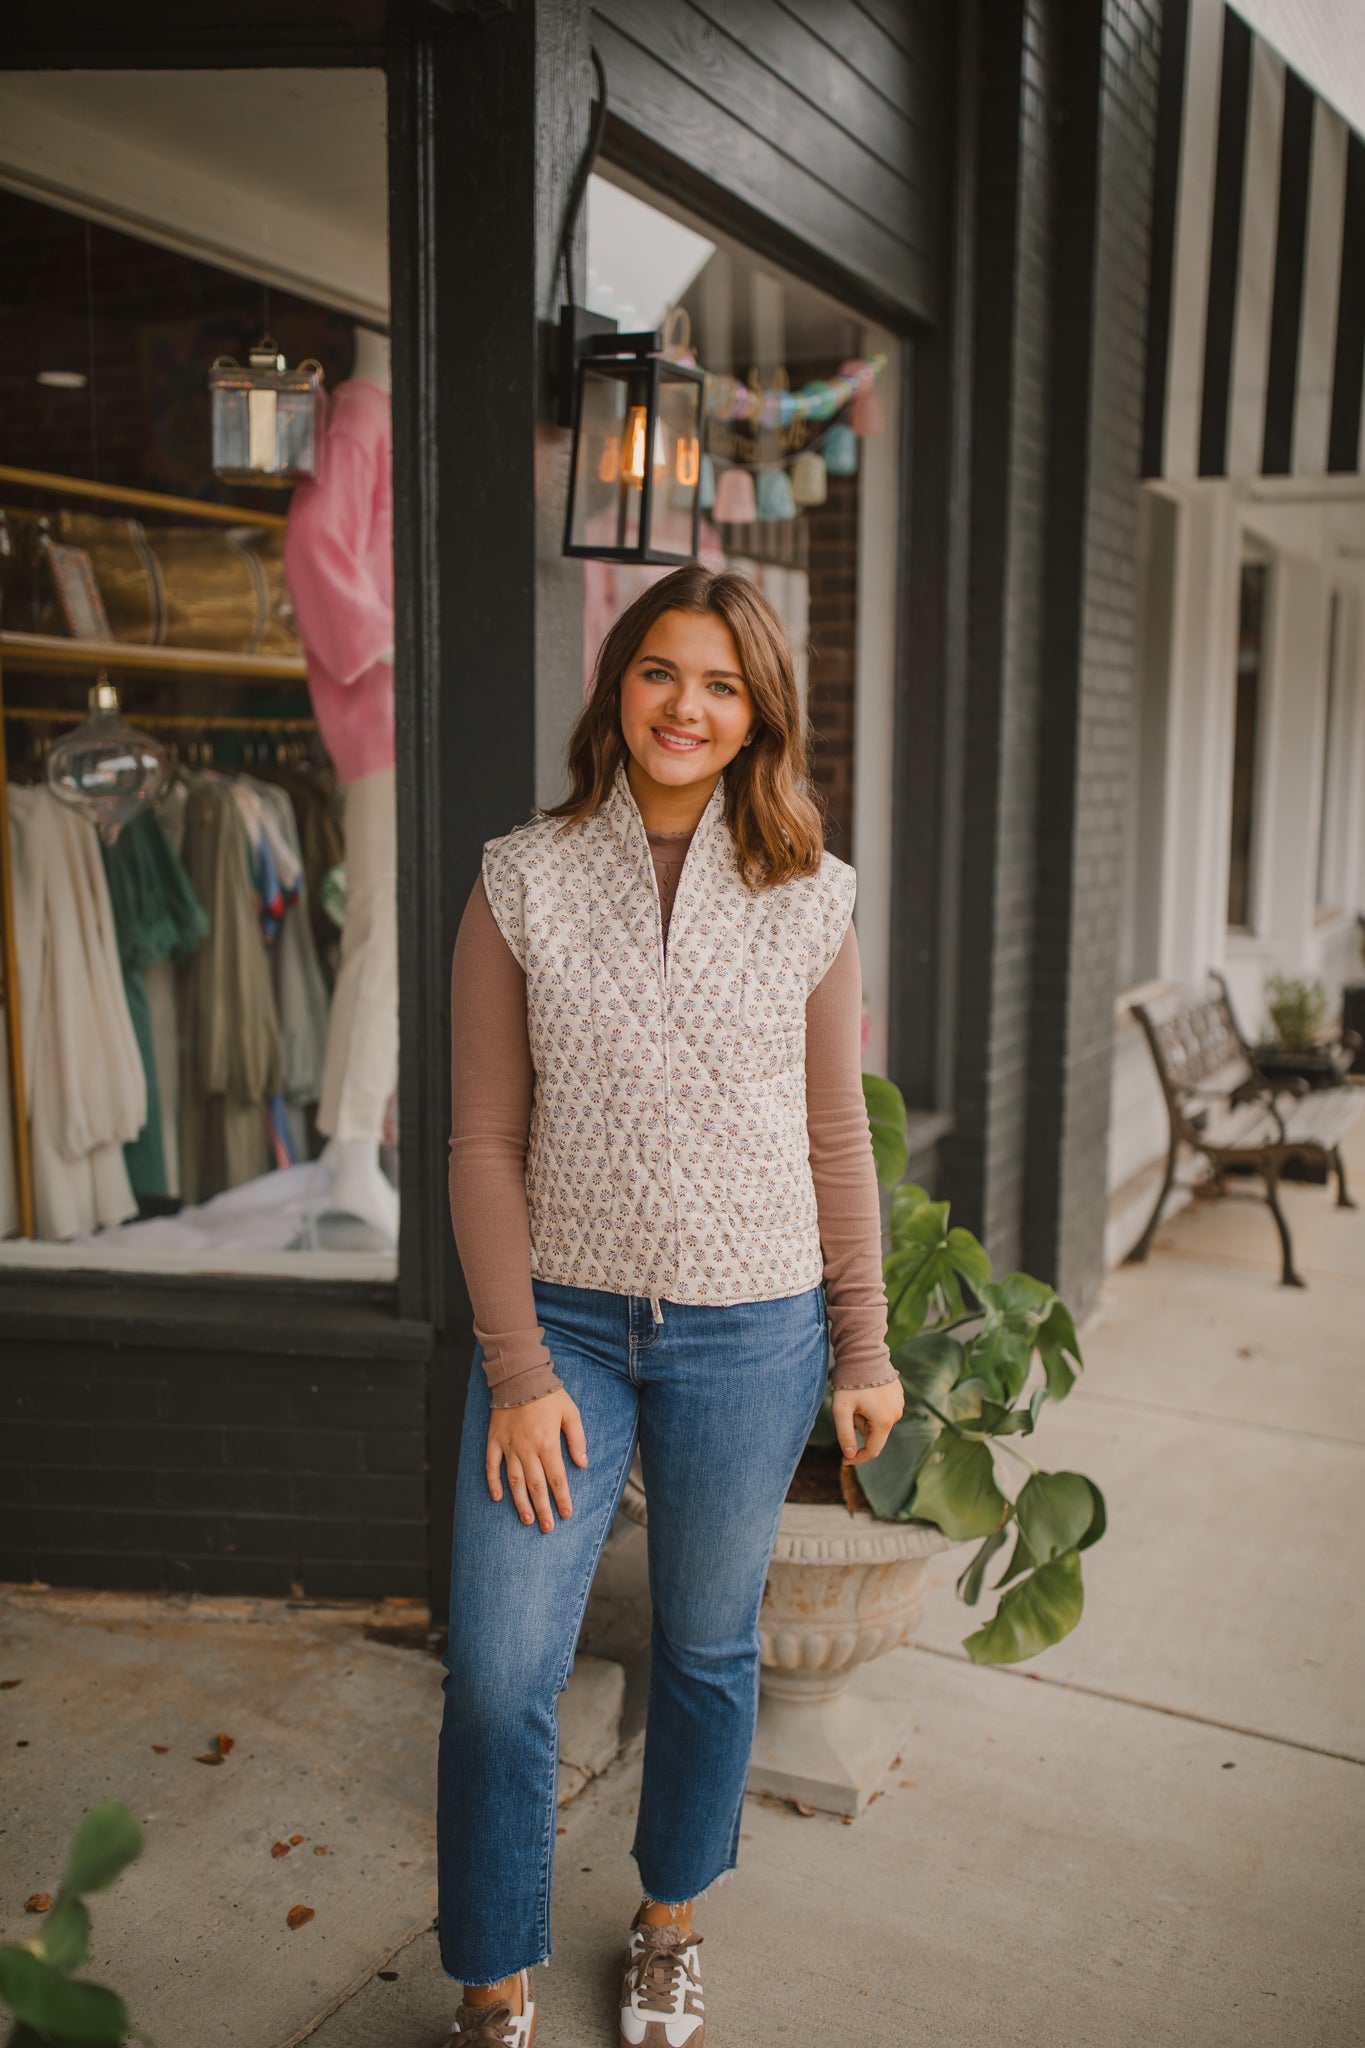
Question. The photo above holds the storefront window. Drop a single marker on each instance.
(200, 1013)
(803, 501)
(1250, 668)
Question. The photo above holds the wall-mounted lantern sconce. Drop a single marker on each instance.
(635, 471)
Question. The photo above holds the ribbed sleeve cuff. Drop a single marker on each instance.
(526, 1386)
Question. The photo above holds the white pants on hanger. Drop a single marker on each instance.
(360, 1071)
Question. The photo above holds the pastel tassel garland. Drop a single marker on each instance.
(809, 481)
(735, 501)
(775, 500)
(841, 451)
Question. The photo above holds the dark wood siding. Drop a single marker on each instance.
(820, 117)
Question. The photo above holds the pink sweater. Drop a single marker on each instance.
(338, 559)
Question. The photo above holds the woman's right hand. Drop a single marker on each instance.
(526, 1439)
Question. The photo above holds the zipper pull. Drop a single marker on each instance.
(658, 1311)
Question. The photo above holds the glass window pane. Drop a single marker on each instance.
(211, 1047)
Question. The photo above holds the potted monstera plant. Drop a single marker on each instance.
(980, 1361)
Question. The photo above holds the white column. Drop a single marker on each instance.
(874, 700)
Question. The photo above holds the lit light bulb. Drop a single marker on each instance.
(689, 460)
(633, 447)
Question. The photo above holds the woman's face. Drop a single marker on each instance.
(685, 706)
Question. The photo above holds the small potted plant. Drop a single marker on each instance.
(979, 1361)
(1297, 1049)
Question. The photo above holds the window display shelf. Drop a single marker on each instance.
(30, 652)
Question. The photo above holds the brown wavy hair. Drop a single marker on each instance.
(769, 807)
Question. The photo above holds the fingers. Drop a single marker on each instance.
(539, 1492)
(516, 1482)
(558, 1480)
(492, 1467)
(877, 1433)
(574, 1437)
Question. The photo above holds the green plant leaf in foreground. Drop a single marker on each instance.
(1099, 1521)
(888, 1481)
(956, 1489)
(1059, 1350)
(58, 2007)
(1055, 1509)
(886, 1121)
(107, 1840)
(969, 1585)
(1033, 1615)
(64, 1937)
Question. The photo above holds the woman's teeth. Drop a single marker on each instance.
(676, 742)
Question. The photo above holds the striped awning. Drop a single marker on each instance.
(1256, 350)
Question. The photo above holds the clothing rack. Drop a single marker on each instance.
(31, 652)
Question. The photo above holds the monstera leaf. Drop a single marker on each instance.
(1032, 1616)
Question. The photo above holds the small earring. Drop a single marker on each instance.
(748, 739)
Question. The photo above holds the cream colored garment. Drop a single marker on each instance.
(361, 1068)
(87, 1093)
(668, 1152)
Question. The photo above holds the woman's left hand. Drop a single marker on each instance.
(872, 1410)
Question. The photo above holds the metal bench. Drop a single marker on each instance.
(1222, 1106)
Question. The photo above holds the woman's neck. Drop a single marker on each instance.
(665, 809)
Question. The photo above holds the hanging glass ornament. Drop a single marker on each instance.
(106, 769)
(708, 483)
(775, 500)
(841, 451)
(735, 502)
(810, 484)
(265, 418)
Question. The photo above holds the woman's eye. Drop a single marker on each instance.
(658, 675)
(726, 689)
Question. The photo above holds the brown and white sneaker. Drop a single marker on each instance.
(496, 2026)
(661, 1997)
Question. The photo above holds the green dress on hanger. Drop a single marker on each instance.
(157, 916)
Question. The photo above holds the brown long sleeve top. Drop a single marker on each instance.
(493, 1085)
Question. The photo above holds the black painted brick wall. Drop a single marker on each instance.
(1067, 138)
(212, 1473)
(984, 1161)
(1107, 64)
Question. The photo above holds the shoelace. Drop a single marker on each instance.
(653, 1969)
(481, 2026)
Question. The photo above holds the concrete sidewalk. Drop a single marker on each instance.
(1154, 1834)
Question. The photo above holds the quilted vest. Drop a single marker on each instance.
(668, 1152)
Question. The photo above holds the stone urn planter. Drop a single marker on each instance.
(842, 1590)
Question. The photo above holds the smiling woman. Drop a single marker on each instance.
(664, 1199)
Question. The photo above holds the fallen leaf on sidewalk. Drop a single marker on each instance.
(8, 1684)
(296, 1839)
(209, 1758)
(299, 1916)
(226, 1744)
(321, 1849)
(279, 1848)
(40, 1902)
(801, 1807)
(160, 1748)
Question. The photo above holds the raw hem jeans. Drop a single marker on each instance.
(720, 1401)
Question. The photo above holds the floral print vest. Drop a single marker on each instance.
(668, 1153)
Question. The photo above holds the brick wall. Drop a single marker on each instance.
(209, 1472)
(1066, 120)
(832, 675)
(1105, 152)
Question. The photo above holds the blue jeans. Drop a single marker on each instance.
(721, 1401)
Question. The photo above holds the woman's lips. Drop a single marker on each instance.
(676, 742)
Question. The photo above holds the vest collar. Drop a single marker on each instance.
(621, 816)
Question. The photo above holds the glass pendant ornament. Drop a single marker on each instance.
(775, 500)
(266, 418)
(106, 769)
(841, 451)
(810, 482)
(735, 501)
